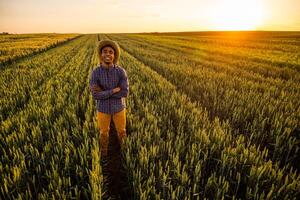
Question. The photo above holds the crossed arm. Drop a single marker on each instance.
(123, 85)
(118, 92)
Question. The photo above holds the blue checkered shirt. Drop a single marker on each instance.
(108, 79)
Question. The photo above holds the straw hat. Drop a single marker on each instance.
(103, 43)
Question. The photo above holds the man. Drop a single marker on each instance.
(109, 87)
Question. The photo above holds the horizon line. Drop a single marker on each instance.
(1, 33)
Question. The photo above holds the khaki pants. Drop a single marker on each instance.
(119, 120)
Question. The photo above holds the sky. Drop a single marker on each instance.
(134, 16)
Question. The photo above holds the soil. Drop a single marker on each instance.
(115, 178)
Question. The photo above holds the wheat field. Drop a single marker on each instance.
(210, 115)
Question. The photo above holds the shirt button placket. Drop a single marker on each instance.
(107, 73)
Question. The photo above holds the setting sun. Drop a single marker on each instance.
(237, 15)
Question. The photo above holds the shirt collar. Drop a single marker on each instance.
(113, 66)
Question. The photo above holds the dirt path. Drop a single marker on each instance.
(115, 176)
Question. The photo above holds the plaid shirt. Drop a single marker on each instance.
(108, 79)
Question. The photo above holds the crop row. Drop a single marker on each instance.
(14, 46)
(265, 110)
(176, 152)
(50, 148)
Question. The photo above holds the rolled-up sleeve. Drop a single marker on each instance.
(124, 85)
(98, 95)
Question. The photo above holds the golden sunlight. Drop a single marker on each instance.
(237, 15)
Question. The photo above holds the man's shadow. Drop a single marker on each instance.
(115, 176)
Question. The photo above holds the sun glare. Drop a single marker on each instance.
(237, 15)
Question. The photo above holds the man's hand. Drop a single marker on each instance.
(95, 88)
(117, 89)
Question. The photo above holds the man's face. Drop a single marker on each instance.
(108, 55)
